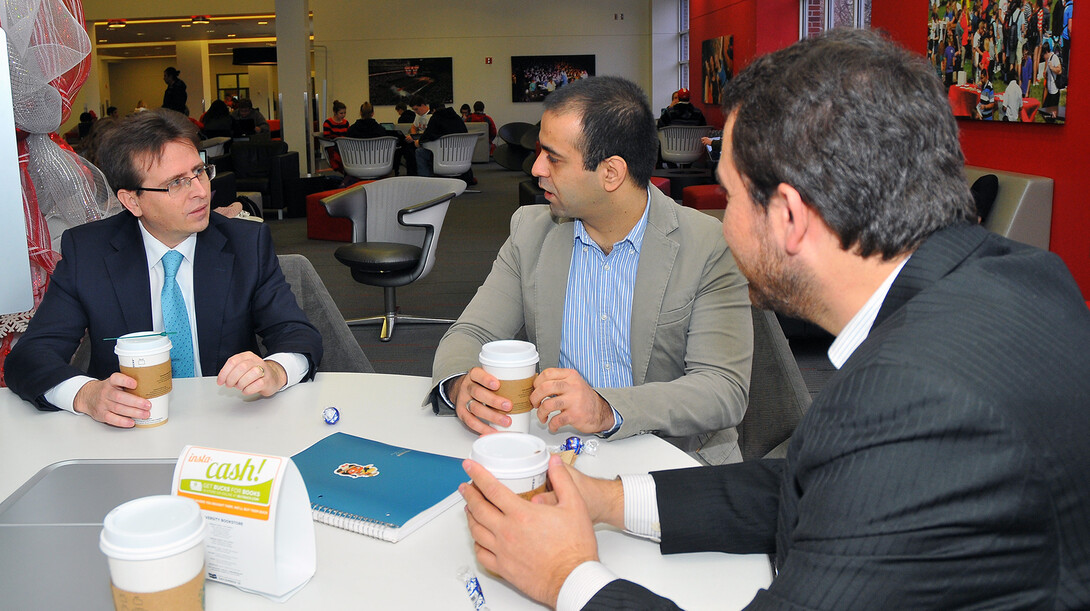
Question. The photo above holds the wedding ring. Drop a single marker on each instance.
(467, 405)
(262, 370)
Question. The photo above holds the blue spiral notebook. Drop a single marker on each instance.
(375, 489)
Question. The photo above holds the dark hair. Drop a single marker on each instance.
(172, 72)
(862, 129)
(338, 106)
(417, 100)
(478, 106)
(366, 110)
(111, 110)
(137, 141)
(616, 120)
(218, 108)
(400, 107)
(243, 103)
(85, 117)
(464, 108)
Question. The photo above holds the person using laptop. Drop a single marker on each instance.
(248, 120)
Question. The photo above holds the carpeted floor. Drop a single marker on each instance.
(475, 227)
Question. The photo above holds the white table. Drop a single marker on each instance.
(354, 570)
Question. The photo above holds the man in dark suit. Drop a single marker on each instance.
(111, 281)
(945, 465)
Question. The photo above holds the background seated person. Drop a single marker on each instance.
(336, 126)
(478, 116)
(217, 120)
(245, 111)
(682, 113)
(443, 121)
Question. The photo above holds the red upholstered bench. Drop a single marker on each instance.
(662, 183)
(321, 226)
(702, 197)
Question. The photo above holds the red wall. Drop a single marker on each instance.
(758, 27)
(1059, 152)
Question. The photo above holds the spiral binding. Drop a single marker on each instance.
(354, 523)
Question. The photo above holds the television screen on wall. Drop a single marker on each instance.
(396, 80)
(533, 77)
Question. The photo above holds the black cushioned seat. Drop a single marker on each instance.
(377, 263)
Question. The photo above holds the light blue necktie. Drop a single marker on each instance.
(176, 319)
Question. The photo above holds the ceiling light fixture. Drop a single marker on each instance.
(114, 24)
(201, 19)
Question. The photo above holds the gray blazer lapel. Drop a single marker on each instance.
(550, 286)
(657, 257)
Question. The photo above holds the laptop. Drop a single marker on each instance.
(243, 127)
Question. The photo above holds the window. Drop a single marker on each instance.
(237, 85)
(821, 15)
(683, 45)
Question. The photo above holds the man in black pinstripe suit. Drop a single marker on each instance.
(947, 464)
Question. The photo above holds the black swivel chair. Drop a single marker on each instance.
(395, 231)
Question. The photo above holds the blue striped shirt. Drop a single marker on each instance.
(596, 337)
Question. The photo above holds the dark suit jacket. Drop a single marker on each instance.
(369, 128)
(944, 466)
(101, 285)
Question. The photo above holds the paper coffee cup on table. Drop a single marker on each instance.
(514, 363)
(155, 548)
(518, 460)
(145, 357)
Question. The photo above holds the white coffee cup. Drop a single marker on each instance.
(155, 548)
(514, 363)
(145, 356)
(518, 460)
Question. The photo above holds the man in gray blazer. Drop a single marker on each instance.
(945, 465)
(638, 311)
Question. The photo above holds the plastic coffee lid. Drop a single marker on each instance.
(152, 527)
(141, 343)
(508, 353)
(511, 455)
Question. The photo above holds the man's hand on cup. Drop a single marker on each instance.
(476, 403)
(579, 405)
(108, 402)
(604, 498)
(534, 545)
(247, 372)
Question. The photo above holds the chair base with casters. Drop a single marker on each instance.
(370, 259)
(388, 252)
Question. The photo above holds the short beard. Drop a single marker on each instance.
(775, 284)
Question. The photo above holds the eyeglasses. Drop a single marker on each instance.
(205, 172)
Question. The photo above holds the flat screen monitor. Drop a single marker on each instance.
(243, 127)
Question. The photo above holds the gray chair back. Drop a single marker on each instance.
(373, 207)
(453, 153)
(341, 350)
(366, 158)
(681, 143)
(778, 396)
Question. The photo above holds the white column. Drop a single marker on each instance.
(192, 61)
(293, 73)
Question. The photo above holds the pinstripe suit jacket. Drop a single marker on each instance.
(947, 465)
(692, 331)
